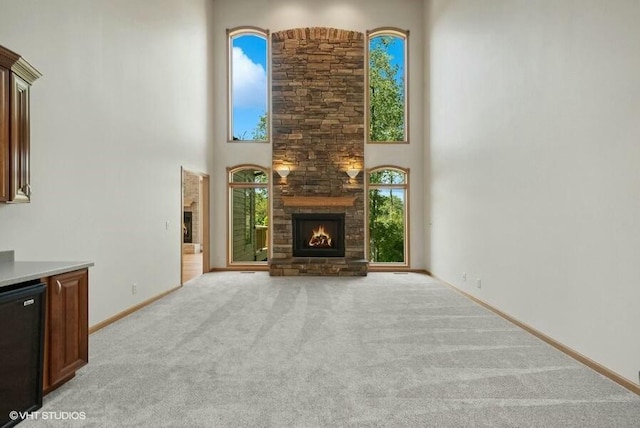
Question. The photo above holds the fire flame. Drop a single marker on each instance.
(320, 238)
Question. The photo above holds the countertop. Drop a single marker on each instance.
(12, 272)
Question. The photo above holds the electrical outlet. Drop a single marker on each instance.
(134, 288)
(479, 283)
(464, 277)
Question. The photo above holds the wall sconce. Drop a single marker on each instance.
(352, 172)
(283, 171)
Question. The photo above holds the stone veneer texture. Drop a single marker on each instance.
(318, 129)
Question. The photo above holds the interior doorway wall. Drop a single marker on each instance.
(194, 240)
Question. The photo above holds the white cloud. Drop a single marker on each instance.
(249, 81)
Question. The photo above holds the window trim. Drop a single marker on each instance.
(405, 186)
(235, 32)
(230, 187)
(396, 32)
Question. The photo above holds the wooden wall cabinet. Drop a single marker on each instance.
(16, 78)
(66, 327)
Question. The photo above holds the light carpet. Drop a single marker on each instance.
(388, 350)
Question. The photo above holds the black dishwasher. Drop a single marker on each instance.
(22, 309)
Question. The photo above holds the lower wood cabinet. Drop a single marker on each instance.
(66, 327)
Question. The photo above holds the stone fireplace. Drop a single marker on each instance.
(191, 229)
(318, 133)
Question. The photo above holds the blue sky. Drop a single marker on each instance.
(396, 50)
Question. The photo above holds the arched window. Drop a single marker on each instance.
(388, 202)
(248, 84)
(248, 214)
(387, 86)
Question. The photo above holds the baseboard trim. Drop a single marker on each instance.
(129, 311)
(396, 269)
(621, 380)
(252, 268)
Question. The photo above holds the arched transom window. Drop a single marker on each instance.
(387, 86)
(248, 84)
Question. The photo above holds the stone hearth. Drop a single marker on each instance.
(318, 131)
(318, 266)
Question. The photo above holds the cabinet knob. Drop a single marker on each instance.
(59, 286)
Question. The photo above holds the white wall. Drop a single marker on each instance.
(535, 148)
(123, 103)
(357, 15)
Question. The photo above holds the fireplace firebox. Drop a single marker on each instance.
(318, 235)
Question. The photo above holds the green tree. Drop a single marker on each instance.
(260, 131)
(386, 92)
(261, 197)
(261, 207)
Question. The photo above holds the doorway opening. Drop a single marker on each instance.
(194, 239)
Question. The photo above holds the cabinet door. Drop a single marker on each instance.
(4, 134)
(68, 325)
(19, 145)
